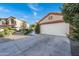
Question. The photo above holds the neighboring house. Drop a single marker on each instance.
(53, 24)
(18, 24)
(24, 25)
(11, 22)
(7, 22)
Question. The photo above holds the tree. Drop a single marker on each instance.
(33, 26)
(71, 16)
(37, 29)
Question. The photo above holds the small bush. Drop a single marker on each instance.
(10, 28)
(2, 34)
(23, 31)
(7, 31)
(28, 31)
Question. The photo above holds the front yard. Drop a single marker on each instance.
(39, 45)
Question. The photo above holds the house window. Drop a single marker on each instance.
(50, 17)
(3, 21)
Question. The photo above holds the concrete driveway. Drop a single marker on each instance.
(38, 45)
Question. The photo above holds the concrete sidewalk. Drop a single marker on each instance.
(41, 45)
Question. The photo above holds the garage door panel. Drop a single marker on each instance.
(55, 29)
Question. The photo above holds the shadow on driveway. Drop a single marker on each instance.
(74, 48)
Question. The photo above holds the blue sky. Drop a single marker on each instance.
(30, 12)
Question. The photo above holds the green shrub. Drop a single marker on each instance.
(28, 31)
(23, 31)
(10, 28)
(7, 31)
(2, 34)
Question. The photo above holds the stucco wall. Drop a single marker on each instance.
(18, 23)
(54, 18)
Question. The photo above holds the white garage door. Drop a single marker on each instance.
(55, 29)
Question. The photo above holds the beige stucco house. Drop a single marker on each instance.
(53, 24)
(12, 22)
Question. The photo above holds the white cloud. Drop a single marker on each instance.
(34, 7)
(2, 9)
(35, 14)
